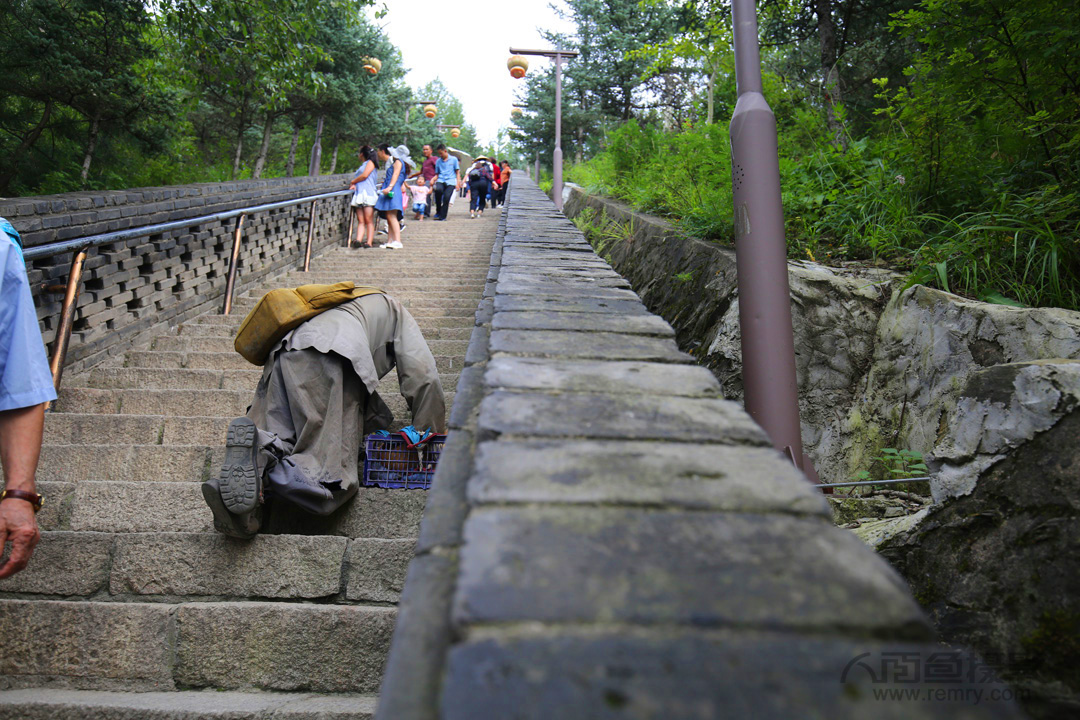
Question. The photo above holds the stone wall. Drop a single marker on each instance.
(879, 365)
(606, 537)
(135, 285)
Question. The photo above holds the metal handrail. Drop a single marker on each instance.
(80, 246)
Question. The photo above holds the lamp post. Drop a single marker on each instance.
(556, 170)
(768, 344)
(455, 130)
(409, 106)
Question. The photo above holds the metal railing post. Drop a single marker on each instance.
(67, 319)
(768, 342)
(233, 259)
(310, 236)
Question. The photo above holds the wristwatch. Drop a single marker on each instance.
(33, 498)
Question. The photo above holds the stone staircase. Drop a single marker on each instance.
(134, 607)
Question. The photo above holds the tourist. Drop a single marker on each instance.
(420, 192)
(388, 206)
(300, 440)
(448, 179)
(504, 180)
(25, 386)
(428, 173)
(401, 152)
(364, 197)
(479, 177)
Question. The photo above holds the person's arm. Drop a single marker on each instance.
(20, 445)
(369, 167)
(457, 175)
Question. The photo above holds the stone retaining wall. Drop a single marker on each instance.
(139, 284)
(607, 537)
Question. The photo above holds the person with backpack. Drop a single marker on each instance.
(479, 178)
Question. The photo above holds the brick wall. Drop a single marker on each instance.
(136, 285)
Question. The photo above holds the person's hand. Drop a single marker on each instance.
(19, 527)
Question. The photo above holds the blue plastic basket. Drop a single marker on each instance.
(389, 463)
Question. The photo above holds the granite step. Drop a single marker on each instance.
(174, 503)
(133, 566)
(161, 359)
(137, 378)
(186, 402)
(63, 704)
(267, 645)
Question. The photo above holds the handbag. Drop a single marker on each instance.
(279, 311)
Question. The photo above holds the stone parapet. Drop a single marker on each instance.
(133, 287)
(607, 537)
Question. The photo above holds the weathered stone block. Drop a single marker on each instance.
(376, 569)
(85, 644)
(578, 321)
(719, 477)
(698, 676)
(135, 507)
(610, 416)
(599, 376)
(594, 345)
(688, 568)
(282, 646)
(272, 566)
(505, 303)
(64, 563)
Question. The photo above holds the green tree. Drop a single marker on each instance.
(75, 67)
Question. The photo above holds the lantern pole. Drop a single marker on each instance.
(409, 106)
(556, 170)
(768, 344)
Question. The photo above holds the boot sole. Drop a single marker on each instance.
(239, 478)
(224, 521)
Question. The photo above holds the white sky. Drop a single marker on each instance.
(437, 38)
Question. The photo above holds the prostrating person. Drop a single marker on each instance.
(300, 441)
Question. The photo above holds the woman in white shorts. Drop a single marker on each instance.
(364, 197)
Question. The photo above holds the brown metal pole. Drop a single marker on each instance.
(556, 171)
(67, 319)
(352, 219)
(310, 236)
(768, 343)
(233, 259)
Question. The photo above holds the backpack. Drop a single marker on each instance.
(279, 311)
(481, 171)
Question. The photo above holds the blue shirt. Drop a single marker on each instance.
(25, 379)
(447, 169)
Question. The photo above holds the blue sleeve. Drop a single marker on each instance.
(25, 379)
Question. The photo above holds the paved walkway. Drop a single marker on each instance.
(131, 588)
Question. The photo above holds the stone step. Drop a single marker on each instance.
(287, 646)
(420, 309)
(185, 344)
(162, 359)
(148, 378)
(62, 704)
(461, 330)
(202, 565)
(67, 428)
(149, 401)
(172, 503)
(391, 283)
(434, 321)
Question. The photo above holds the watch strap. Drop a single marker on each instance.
(33, 498)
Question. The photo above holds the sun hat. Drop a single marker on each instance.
(401, 152)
